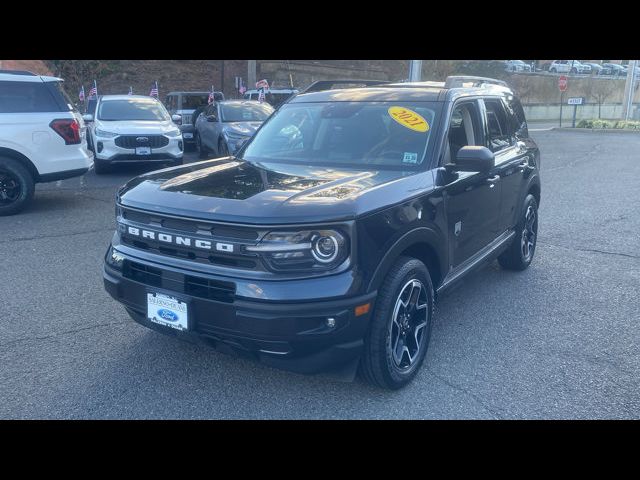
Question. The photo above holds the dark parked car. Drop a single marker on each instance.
(224, 126)
(615, 69)
(186, 104)
(274, 97)
(325, 240)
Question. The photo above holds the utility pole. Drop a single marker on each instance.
(629, 90)
(251, 73)
(222, 77)
(415, 70)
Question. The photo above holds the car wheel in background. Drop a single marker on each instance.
(223, 149)
(398, 337)
(16, 186)
(203, 151)
(553, 70)
(520, 253)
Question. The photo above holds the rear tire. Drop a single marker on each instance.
(203, 151)
(520, 253)
(401, 320)
(17, 186)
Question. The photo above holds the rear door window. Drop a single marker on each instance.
(26, 97)
(500, 129)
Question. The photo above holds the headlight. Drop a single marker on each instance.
(173, 133)
(103, 134)
(305, 250)
(114, 259)
(233, 135)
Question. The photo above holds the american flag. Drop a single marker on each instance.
(81, 94)
(93, 93)
(261, 94)
(154, 91)
(211, 98)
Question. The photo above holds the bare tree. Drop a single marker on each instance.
(601, 90)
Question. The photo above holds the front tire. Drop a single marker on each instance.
(398, 337)
(520, 253)
(16, 186)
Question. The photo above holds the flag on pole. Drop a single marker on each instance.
(261, 94)
(93, 93)
(81, 94)
(154, 90)
(130, 91)
(211, 98)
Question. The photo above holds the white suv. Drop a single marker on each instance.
(42, 137)
(569, 66)
(133, 128)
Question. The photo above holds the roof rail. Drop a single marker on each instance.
(19, 72)
(328, 84)
(456, 81)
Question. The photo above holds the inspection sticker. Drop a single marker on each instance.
(408, 118)
(410, 157)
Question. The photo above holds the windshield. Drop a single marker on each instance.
(392, 134)
(245, 112)
(132, 109)
(191, 102)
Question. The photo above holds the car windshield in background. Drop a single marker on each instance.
(391, 134)
(191, 102)
(245, 112)
(133, 109)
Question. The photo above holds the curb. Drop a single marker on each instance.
(599, 130)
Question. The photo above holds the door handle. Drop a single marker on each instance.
(493, 180)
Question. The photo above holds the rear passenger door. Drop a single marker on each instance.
(502, 138)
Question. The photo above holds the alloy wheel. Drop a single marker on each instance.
(410, 317)
(528, 240)
(10, 188)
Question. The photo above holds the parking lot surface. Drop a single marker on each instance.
(559, 340)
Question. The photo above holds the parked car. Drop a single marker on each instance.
(224, 126)
(517, 66)
(133, 128)
(42, 137)
(596, 68)
(274, 97)
(323, 243)
(569, 66)
(615, 69)
(186, 104)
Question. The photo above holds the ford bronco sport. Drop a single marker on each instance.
(323, 242)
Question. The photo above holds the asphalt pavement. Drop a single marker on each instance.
(559, 340)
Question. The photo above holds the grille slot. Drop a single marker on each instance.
(209, 289)
(142, 273)
(131, 141)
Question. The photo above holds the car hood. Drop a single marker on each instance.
(136, 127)
(232, 190)
(242, 128)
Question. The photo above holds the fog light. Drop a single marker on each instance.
(331, 322)
(100, 146)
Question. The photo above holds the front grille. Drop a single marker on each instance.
(186, 118)
(206, 288)
(133, 141)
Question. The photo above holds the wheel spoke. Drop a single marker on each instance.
(399, 349)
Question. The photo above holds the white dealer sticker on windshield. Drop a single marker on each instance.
(410, 157)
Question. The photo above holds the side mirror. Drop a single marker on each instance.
(87, 117)
(473, 158)
(177, 119)
(212, 118)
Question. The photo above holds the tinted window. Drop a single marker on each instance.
(245, 112)
(499, 128)
(517, 118)
(132, 109)
(170, 102)
(349, 133)
(191, 102)
(25, 97)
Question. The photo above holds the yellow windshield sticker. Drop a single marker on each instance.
(409, 118)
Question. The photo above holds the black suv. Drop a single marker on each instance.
(323, 242)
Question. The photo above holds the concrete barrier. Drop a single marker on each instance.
(588, 111)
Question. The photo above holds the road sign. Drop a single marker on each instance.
(562, 83)
(575, 101)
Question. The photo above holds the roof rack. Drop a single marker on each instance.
(457, 81)
(328, 84)
(19, 72)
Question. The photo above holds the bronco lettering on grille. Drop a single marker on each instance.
(179, 240)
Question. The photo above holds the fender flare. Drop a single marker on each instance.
(420, 235)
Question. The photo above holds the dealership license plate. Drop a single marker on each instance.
(187, 135)
(167, 311)
(143, 151)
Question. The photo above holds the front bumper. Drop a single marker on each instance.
(289, 335)
(106, 150)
